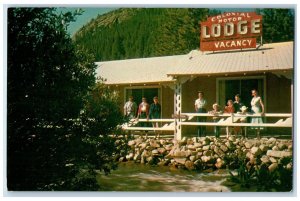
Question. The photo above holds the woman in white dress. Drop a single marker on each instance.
(257, 107)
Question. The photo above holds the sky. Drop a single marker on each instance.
(88, 15)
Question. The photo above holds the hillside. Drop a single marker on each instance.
(146, 32)
(140, 32)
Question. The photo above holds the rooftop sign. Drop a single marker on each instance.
(232, 30)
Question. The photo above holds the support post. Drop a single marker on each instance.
(177, 110)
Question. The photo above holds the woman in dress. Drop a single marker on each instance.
(257, 107)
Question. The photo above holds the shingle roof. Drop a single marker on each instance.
(269, 57)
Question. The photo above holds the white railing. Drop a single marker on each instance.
(235, 119)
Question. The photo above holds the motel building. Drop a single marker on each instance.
(221, 68)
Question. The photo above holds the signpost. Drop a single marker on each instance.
(232, 30)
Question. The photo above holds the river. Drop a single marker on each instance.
(130, 177)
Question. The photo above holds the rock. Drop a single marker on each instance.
(289, 166)
(275, 148)
(143, 145)
(122, 159)
(189, 141)
(188, 153)
(191, 147)
(255, 151)
(155, 152)
(197, 145)
(129, 156)
(193, 158)
(290, 147)
(279, 154)
(228, 144)
(149, 159)
(180, 153)
(163, 142)
(207, 153)
(248, 144)
(161, 150)
(194, 153)
(282, 146)
(137, 157)
(199, 154)
(220, 163)
(189, 165)
(232, 138)
(271, 141)
(273, 160)
(205, 148)
(168, 147)
(223, 148)
(205, 159)
(195, 140)
(131, 143)
(263, 148)
(154, 144)
(180, 160)
(272, 167)
(265, 159)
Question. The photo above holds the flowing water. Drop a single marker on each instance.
(144, 178)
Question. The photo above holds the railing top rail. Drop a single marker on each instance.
(238, 115)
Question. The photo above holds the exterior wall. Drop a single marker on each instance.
(279, 94)
(166, 100)
(277, 100)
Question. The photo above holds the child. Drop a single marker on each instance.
(229, 109)
(216, 111)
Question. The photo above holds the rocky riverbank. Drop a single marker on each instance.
(208, 153)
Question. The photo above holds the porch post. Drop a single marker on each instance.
(177, 110)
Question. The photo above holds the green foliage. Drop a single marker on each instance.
(278, 25)
(50, 145)
(142, 32)
(259, 176)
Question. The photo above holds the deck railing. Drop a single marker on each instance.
(187, 119)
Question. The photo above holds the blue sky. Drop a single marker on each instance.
(89, 13)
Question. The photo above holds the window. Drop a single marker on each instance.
(138, 93)
(227, 88)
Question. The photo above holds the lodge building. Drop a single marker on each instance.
(220, 75)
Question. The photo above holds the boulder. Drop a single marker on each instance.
(180, 160)
(263, 148)
(180, 153)
(205, 159)
(255, 151)
(131, 142)
(275, 148)
(207, 153)
(279, 154)
(154, 143)
(193, 158)
(273, 167)
(273, 160)
(248, 144)
(143, 145)
(189, 165)
(161, 150)
(137, 157)
(220, 163)
(191, 147)
(129, 156)
(282, 146)
(205, 148)
(224, 148)
(265, 159)
(155, 152)
(197, 145)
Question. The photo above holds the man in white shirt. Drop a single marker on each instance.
(200, 107)
(130, 108)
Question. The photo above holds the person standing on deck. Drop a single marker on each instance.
(200, 107)
(154, 112)
(130, 108)
(229, 109)
(238, 105)
(143, 112)
(257, 107)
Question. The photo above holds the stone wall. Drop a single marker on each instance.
(207, 152)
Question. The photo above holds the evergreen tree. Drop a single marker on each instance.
(50, 145)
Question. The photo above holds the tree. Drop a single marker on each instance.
(278, 25)
(50, 145)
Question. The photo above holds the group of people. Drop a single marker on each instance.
(236, 106)
(143, 111)
(153, 111)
